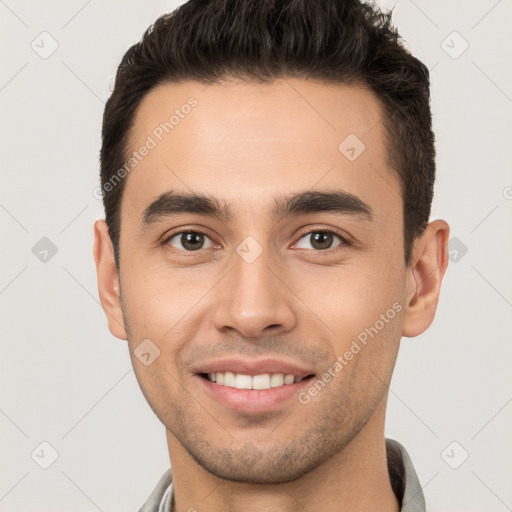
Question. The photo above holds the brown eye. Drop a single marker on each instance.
(189, 241)
(320, 240)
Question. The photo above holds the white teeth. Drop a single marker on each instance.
(243, 381)
(262, 381)
(289, 379)
(229, 379)
(276, 380)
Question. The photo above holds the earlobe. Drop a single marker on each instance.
(108, 279)
(424, 278)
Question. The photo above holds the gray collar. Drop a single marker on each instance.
(404, 480)
(405, 483)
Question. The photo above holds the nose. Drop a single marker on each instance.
(254, 300)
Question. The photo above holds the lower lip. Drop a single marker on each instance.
(253, 400)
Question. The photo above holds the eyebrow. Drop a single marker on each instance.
(174, 203)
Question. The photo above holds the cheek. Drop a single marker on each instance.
(159, 300)
(362, 307)
(350, 297)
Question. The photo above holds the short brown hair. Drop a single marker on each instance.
(335, 41)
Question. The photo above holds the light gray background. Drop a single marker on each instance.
(67, 381)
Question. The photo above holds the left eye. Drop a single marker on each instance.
(190, 241)
(320, 240)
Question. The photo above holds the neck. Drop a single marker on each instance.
(354, 479)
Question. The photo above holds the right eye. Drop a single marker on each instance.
(188, 241)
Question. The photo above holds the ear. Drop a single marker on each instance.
(424, 277)
(108, 279)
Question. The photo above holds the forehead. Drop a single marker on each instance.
(244, 142)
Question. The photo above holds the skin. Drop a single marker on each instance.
(246, 144)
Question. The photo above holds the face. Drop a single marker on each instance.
(262, 275)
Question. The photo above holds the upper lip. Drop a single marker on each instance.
(252, 367)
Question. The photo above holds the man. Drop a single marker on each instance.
(267, 171)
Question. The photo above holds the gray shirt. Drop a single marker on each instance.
(404, 482)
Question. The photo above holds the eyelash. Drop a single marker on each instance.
(344, 241)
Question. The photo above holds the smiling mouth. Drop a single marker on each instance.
(256, 382)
